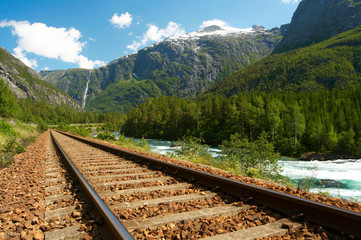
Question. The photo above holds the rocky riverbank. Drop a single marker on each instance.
(311, 156)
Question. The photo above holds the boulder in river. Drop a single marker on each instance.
(328, 183)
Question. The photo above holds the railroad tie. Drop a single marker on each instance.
(263, 231)
(172, 187)
(185, 216)
(156, 201)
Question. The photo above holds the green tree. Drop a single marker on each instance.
(347, 141)
(274, 116)
(332, 139)
(7, 100)
(297, 123)
(42, 126)
(316, 129)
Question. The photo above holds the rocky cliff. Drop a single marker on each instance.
(181, 66)
(332, 64)
(24, 82)
(318, 20)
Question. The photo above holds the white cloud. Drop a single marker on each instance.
(50, 42)
(213, 22)
(290, 1)
(122, 21)
(154, 34)
(84, 62)
(19, 53)
(135, 45)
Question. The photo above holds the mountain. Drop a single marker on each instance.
(72, 81)
(25, 82)
(317, 20)
(183, 66)
(334, 63)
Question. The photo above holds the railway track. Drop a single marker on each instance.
(66, 208)
(158, 200)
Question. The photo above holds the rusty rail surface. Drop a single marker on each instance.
(326, 215)
(118, 231)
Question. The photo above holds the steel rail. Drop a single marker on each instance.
(118, 231)
(326, 215)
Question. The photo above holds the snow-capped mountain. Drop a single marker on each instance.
(183, 66)
(213, 30)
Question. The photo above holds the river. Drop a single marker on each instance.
(339, 178)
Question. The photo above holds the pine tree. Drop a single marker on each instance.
(297, 123)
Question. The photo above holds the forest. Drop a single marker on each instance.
(306, 100)
(43, 113)
(325, 121)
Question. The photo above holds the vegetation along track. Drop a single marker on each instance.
(154, 199)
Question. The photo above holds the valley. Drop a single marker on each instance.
(182, 66)
(281, 106)
(216, 84)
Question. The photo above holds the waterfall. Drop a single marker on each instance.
(86, 90)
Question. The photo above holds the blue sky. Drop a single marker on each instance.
(49, 34)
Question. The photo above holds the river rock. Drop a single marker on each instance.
(313, 156)
(329, 183)
(309, 156)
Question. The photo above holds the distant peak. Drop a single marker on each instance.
(258, 28)
(216, 30)
(212, 28)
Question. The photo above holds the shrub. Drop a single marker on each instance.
(7, 129)
(13, 146)
(42, 126)
(106, 136)
(254, 159)
(192, 148)
(143, 143)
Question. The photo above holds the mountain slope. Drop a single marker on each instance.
(181, 66)
(24, 82)
(317, 20)
(333, 63)
(72, 81)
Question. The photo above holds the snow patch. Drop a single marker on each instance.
(212, 31)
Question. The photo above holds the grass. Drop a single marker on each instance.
(131, 144)
(15, 136)
(122, 141)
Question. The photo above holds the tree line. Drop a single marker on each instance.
(326, 121)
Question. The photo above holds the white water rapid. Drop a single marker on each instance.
(340, 178)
